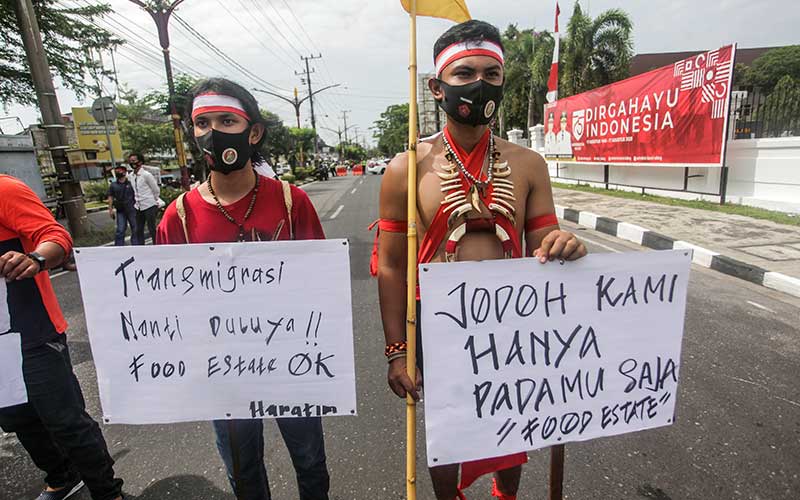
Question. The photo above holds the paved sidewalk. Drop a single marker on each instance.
(766, 246)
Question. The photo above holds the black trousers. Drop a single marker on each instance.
(148, 217)
(53, 426)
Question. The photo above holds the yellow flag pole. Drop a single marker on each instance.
(411, 270)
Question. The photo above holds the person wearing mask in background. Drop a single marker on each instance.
(53, 426)
(121, 200)
(236, 204)
(147, 194)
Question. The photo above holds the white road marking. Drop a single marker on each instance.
(763, 308)
(61, 273)
(593, 242)
(361, 181)
(337, 212)
(353, 191)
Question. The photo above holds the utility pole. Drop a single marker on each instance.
(52, 122)
(344, 117)
(296, 102)
(160, 11)
(307, 74)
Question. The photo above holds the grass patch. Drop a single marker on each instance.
(95, 237)
(729, 208)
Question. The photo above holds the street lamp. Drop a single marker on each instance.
(160, 11)
(296, 102)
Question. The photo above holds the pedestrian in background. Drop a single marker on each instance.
(147, 194)
(53, 426)
(121, 200)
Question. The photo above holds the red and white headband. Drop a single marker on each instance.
(461, 50)
(211, 102)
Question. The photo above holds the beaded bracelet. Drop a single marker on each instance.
(392, 357)
(395, 348)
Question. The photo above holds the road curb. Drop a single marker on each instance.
(700, 256)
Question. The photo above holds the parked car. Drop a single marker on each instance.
(378, 168)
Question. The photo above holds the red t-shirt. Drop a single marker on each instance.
(24, 224)
(206, 224)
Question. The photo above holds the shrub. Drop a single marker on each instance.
(289, 177)
(95, 190)
(168, 194)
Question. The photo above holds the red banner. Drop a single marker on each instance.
(671, 116)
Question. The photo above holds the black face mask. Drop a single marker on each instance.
(120, 176)
(473, 104)
(225, 153)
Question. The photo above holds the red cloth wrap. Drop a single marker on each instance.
(540, 221)
(390, 226)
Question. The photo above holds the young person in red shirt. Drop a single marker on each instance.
(53, 426)
(479, 198)
(238, 204)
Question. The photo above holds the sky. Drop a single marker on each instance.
(364, 45)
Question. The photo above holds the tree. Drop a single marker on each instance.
(516, 88)
(355, 152)
(68, 36)
(278, 139)
(183, 85)
(780, 113)
(392, 129)
(596, 51)
(528, 57)
(301, 141)
(142, 126)
(772, 66)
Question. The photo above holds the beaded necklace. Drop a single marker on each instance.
(228, 215)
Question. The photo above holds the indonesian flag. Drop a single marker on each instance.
(552, 82)
(455, 10)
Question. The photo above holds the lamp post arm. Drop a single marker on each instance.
(317, 92)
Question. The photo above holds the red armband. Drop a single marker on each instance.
(390, 226)
(393, 226)
(540, 221)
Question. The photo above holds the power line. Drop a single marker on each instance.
(129, 44)
(222, 54)
(267, 32)
(305, 47)
(264, 14)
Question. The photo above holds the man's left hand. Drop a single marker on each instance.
(561, 245)
(17, 266)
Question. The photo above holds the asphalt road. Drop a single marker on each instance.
(738, 416)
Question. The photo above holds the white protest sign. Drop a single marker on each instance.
(5, 316)
(229, 330)
(12, 383)
(520, 355)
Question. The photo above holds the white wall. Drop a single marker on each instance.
(762, 173)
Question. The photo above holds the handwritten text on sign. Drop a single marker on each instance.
(520, 356)
(203, 332)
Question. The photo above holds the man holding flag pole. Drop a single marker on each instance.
(469, 196)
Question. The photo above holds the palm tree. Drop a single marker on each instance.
(596, 51)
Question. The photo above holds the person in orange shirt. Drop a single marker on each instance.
(53, 426)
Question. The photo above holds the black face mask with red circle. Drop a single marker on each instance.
(473, 104)
(223, 152)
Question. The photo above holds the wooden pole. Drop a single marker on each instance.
(555, 492)
(411, 270)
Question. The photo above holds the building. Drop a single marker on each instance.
(428, 110)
